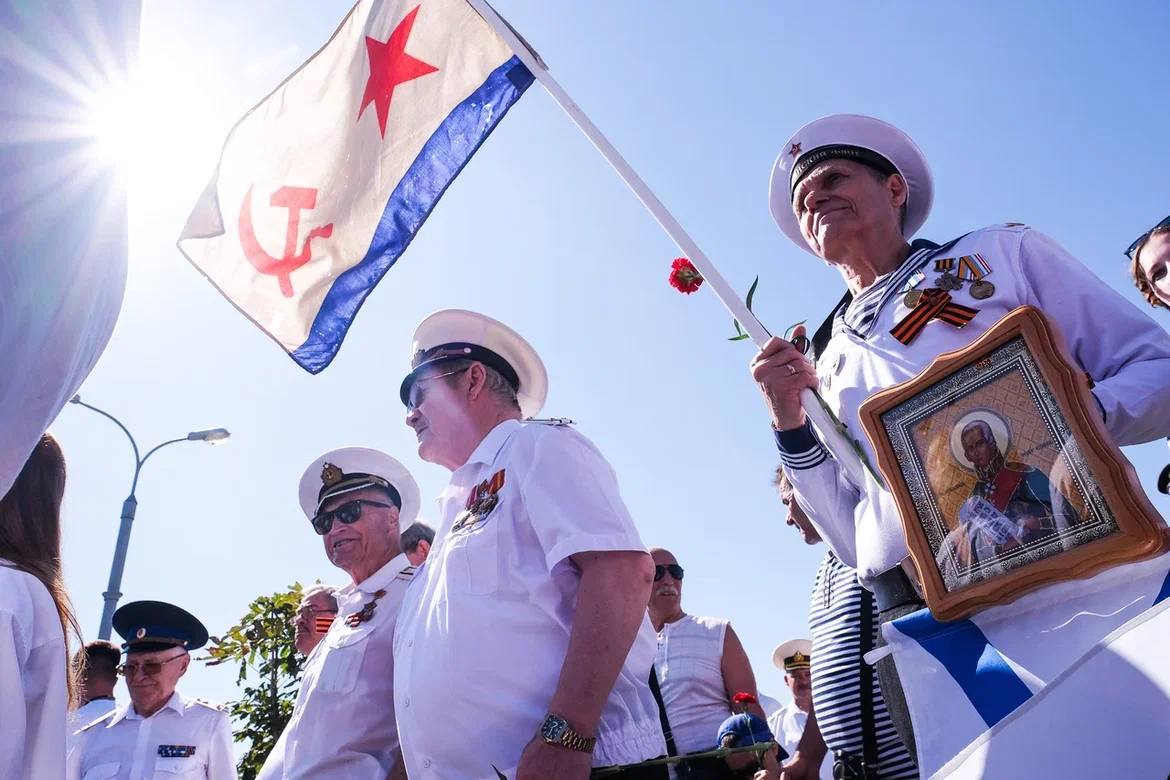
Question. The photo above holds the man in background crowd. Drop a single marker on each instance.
(848, 715)
(701, 665)
(315, 615)
(417, 541)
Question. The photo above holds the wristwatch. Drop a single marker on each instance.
(555, 731)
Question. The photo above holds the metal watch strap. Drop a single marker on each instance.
(574, 741)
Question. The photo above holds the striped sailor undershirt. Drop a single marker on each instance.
(834, 619)
(862, 312)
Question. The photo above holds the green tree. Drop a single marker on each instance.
(261, 644)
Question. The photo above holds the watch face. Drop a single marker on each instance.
(552, 729)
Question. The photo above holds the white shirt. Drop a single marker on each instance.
(689, 663)
(1119, 346)
(186, 739)
(86, 714)
(787, 725)
(342, 723)
(32, 679)
(484, 629)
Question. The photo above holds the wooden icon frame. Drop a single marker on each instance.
(1018, 383)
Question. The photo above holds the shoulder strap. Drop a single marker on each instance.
(820, 339)
(869, 749)
(671, 750)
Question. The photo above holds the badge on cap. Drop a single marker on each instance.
(140, 633)
(794, 150)
(330, 475)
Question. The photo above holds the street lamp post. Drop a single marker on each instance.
(130, 506)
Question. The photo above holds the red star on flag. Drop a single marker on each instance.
(390, 66)
(795, 150)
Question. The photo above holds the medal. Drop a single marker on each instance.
(982, 289)
(366, 613)
(948, 281)
(912, 298)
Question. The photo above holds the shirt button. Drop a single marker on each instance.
(427, 764)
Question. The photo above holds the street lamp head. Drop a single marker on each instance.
(212, 436)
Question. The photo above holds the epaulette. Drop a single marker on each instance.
(96, 721)
(209, 705)
(556, 422)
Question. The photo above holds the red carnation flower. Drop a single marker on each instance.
(744, 699)
(684, 277)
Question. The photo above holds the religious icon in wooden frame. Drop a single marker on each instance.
(1003, 472)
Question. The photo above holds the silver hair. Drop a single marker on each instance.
(314, 590)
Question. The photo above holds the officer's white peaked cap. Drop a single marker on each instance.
(349, 469)
(455, 333)
(789, 649)
(850, 136)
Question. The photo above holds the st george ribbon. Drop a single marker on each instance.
(322, 186)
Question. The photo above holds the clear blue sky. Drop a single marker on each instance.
(1045, 113)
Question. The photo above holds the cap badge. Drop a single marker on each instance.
(794, 150)
(799, 658)
(330, 475)
(140, 633)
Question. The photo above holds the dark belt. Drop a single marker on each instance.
(893, 589)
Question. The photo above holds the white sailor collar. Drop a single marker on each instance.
(176, 703)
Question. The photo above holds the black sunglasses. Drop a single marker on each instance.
(675, 570)
(349, 513)
(1137, 243)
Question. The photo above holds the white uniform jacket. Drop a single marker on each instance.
(186, 739)
(1124, 352)
(485, 627)
(343, 723)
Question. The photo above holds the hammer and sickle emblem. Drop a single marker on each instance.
(295, 199)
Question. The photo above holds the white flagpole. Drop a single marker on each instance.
(841, 448)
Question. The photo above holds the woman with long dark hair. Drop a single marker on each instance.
(37, 682)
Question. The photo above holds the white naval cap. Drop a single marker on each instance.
(455, 333)
(853, 137)
(793, 654)
(348, 469)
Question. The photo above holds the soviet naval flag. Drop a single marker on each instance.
(321, 187)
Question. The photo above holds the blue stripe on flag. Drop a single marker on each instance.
(442, 158)
(994, 689)
(1164, 593)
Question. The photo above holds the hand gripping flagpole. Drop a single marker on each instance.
(845, 451)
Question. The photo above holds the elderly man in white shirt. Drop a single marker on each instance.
(342, 724)
(526, 636)
(853, 191)
(159, 733)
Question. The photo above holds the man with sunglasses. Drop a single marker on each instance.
(701, 665)
(853, 191)
(341, 726)
(159, 733)
(526, 634)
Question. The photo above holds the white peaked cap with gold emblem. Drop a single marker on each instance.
(455, 333)
(792, 655)
(348, 469)
(855, 137)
